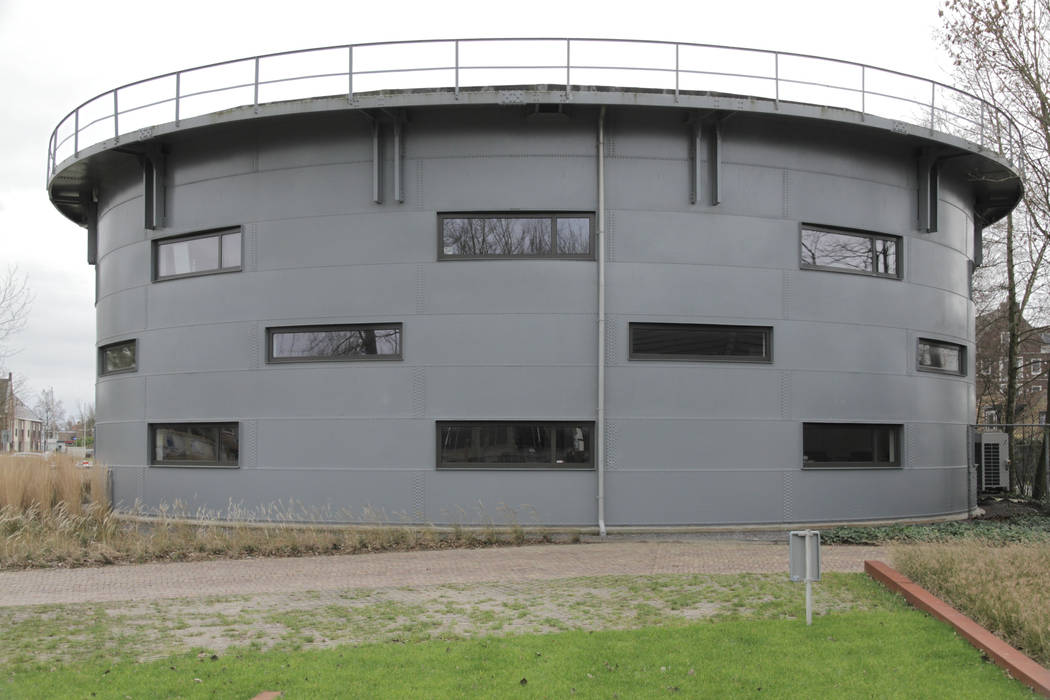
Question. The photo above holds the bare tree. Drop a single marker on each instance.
(1001, 54)
(50, 411)
(15, 300)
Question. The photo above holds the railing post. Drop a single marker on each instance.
(178, 95)
(568, 68)
(116, 115)
(457, 69)
(863, 91)
(676, 72)
(776, 78)
(350, 75)
(256, 102)
(933, 108)
(76, 133)
(982, 124)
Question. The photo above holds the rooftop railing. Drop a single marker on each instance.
(347, 71)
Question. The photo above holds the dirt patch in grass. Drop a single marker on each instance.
(40, 636)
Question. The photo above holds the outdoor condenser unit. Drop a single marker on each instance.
(991, 453)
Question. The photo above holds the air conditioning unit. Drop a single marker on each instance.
(991, 454)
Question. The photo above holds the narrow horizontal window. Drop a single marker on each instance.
(194, 444)
(516, 236)
(850, 251)
(688, 341)
(850, 445)
(335, 343)
(515, 444)
(938, 356)
(199, 254)
(117, 357)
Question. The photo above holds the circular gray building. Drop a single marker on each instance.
(622, 285)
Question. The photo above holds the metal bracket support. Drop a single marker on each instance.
(154, 187)
(929, 179)
(706, 134)
(377, 163)
(399, 190)
(91, 214)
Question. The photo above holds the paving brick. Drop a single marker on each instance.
(323, 573)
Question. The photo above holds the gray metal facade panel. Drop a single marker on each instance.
(689, 443)
(842, 347)
(656, 497)
(124, 268)
(389, 237)
(511, 393)
(511, 287)
(648, 289)
(531, 497)
(817, 198)
(121, 314)
(499, 183)
(352, 444)
(375, 389)
(845, 396)
(685, 390)
(120, 397)
(203, 348)
(699, 444)
(711, 239)
(538, 340)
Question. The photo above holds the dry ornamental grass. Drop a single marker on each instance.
(1005, 588)
(53, 513)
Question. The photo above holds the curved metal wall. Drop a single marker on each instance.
(687, 442)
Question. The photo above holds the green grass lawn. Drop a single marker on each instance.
(891, 652)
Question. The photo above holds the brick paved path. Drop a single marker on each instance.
(322, 573)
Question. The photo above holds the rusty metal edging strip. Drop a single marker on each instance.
(1017, 664)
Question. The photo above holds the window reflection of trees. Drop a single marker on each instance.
(118, 358)
(845, 251)
(514, 444)
(510, 236)
(337, 343)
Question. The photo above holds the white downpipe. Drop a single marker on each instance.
(600, 436)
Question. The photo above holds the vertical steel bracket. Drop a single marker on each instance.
(399, 190)
(929, 178)
(154, 187)
(377, 163)
(91, 214)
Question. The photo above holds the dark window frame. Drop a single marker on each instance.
(872, 236)
(511, 466)
(552, 215)
(216, 233)
(102, 372)
(216, 425)
(270, 359)
(898, 445)
(634, 326)
(961, 372)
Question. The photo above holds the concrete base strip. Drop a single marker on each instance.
(1017, 664)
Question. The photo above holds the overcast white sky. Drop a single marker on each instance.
(55, 55)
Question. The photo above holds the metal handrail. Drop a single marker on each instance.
(963, 108)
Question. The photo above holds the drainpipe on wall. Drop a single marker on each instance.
(600, 437)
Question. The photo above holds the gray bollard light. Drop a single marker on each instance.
(804, 562)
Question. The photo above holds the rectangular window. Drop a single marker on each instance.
(194, 444)
(850, 445)
(341, 343)
(842, 250)
(938, 356)
(515, 235)
(514, 444)
(1037, 366)
(200, 254)
(117, 357)
(688, 341)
